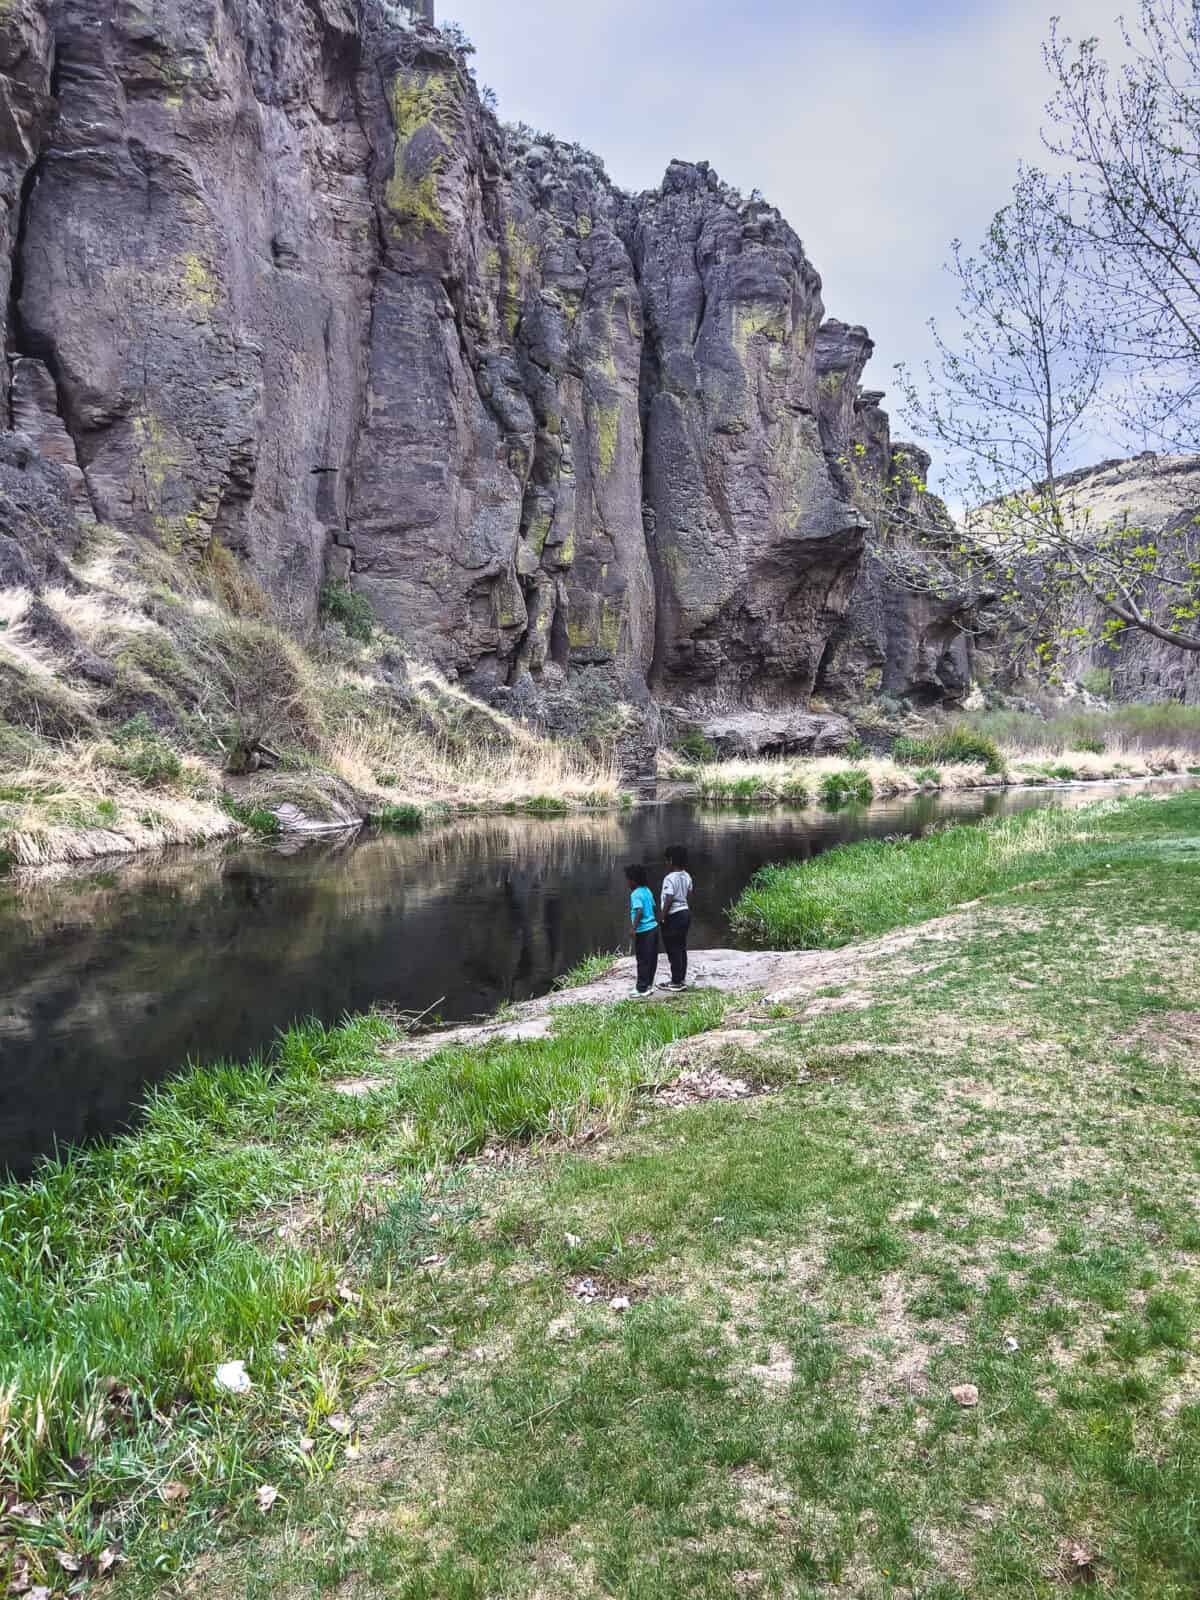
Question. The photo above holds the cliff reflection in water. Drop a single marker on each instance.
(114, 979)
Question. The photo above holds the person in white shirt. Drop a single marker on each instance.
(676, 916)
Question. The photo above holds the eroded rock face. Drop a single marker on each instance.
(898, 638)
(1160, 494)
(38, 525)
(497, 485)
(755, 541)
(26, 52)
(777, 733)
(284, 283)
(196, 268)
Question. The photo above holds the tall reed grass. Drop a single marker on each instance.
(1132, 729)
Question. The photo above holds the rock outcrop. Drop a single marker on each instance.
(281, 282)
(1161, 496)
(754, 537)
(897, 637)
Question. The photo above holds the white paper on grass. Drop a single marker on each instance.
(233, 1378)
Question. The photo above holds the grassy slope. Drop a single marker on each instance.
(980, 1169)
(201, 676)
(859, 890)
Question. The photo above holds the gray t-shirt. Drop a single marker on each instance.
(677, 885)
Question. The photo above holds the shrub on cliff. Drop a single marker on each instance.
(348, 610)
(261, 687)
(696, 747)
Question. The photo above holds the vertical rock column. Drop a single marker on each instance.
(496, 514)
(195, 273)
(755, 542)
(26, 50)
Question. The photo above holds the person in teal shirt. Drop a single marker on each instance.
(644, 920)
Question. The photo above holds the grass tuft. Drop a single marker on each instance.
(852, 786)
(589, 970)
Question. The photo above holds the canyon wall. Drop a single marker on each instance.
(279, 281)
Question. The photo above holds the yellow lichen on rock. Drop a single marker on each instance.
(417, 101)
(197, 284)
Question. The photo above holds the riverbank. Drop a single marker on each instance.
(832, 781)
(673, 1298)
(147, 702)
(879, 884)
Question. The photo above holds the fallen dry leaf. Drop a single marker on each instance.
(106, 1561)
(68, 1562)
(966, 1394)
(353, 1451)
(173, 1492)
(265, 1496)
(349, 1295)
(307, 1446)
(40, 1593)
(573, 1241)
(340, 1424)
(1080, 1562)
(619, 1302)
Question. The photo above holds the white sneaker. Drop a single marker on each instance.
(640, 994)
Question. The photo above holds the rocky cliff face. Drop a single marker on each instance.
(278, 280)
(1161, 495)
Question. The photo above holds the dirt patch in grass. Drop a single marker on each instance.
(694, 1086)
(1165, 1034)
(893, 1349)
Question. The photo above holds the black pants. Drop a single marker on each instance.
(675, 937)
(646, 946)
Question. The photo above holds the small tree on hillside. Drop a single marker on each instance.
(1012, 397)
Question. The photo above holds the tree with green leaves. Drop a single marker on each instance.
(1078, 315)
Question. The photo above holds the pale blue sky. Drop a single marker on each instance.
(881, 130)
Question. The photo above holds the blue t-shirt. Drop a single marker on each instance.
(641, 908)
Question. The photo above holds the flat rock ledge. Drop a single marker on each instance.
(777, 976)
(784, 732)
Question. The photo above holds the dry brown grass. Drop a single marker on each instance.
(484, 760)
(778, 774)
(71, 806)
(888, 778)
(1123, 759)
(196, 645)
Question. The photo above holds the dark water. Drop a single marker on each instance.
(113, 979)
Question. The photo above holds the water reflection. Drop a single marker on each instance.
(114, 978)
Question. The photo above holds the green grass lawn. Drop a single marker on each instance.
(976, 1165)
(858, 890)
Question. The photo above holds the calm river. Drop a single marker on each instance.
(113, 979)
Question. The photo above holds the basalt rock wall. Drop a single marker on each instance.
(279, 280)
